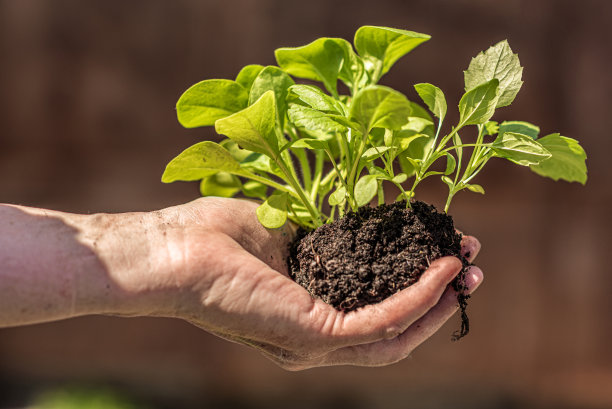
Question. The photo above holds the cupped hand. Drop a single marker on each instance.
(231, 279)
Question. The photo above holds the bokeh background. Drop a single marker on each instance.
(87, 124)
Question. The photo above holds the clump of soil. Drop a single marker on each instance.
(370, 255)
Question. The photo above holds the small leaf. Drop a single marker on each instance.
(381, 47)
(433, 98)
(449, 182)
(451, 164)
(252, 188)
(500, 63)
(417, 124)
(257, 162)
(253, 128)
(375, 152)
(315, 122)
(475, 189)
(272, 79)
(247, 75)
(315, 98)
(273, 212)
(478, 104)
(520, 149)
(222, 184)
(205, 102)
(521, 127)
(381, 107)
(310, 144)
(320, 61)
(399, 178)
(337, 197)
(491, 128)
(201, 160)
(365, 189)
(568, 160)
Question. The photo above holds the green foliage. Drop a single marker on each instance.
(312, 155)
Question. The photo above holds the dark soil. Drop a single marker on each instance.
(369, 255)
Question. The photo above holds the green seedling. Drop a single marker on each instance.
(312, 154)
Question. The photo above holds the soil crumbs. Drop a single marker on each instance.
(370, 255)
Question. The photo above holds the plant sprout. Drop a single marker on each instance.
(311, 154)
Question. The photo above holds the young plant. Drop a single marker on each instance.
(312, 155)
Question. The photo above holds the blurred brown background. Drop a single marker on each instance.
(87, 124)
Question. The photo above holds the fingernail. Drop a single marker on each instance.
(473, 278)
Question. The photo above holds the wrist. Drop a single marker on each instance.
(132, 271)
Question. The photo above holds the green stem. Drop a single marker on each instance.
(319, 158)
(314, 213)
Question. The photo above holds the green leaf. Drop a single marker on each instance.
(449, 182)
(381, 107)
(205, 102)
(365, 189)
(352, 72)
(521, 127)
(433, 98)
(500, 63)
(315, 98)
(221, 184)
(252, 188)
(273, 212)
(272, 79)
(201, 160)
(478, 104)
(337, 197)
(310, 144)
(381, 47)
(315, 122)
(253, 128)
(247, 75)
(568, 160)
(257, 162)
(475, 189)
(451, 164)
(320, 60)
(520, 149)
(375, 152)
(399, 178)
(491, 128)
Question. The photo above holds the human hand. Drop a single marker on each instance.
(230, 278)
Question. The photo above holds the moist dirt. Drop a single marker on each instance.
(375, 252)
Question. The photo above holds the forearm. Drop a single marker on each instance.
(56, 265)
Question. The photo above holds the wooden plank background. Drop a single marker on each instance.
(87, 124)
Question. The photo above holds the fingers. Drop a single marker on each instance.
(392, 316)
(393, 350)
(470, 246)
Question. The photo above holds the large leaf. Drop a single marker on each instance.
(247, 75)
(274, 79)
(381, 47)
(497, 62)
(478, 104)
(520, 149)
(521, 127)
(352, 72)
(314, 122)
(568, 160)
(433, 98)
(253, 128)
(201, 160)
(320, 60)
(205, 102)
(380, 107)
(315, 98)
(273, 212)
